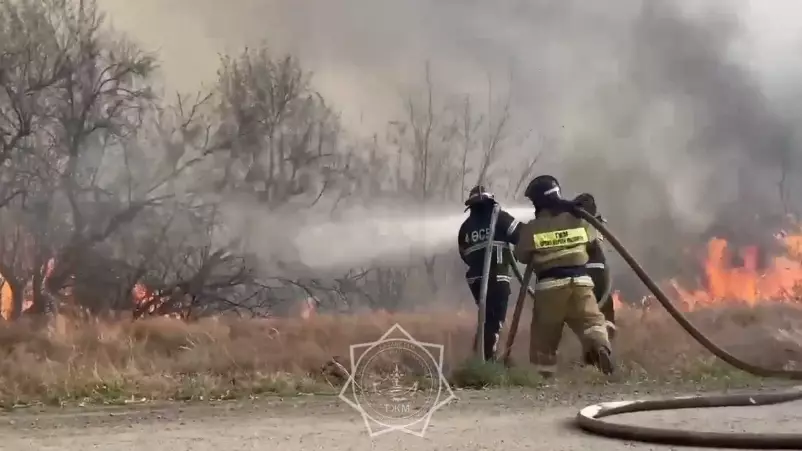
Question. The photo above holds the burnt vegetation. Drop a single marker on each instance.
(117, 199)
(119, 202)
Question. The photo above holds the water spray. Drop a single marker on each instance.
(381, 235)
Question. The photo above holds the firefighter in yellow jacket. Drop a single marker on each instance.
(556, 244)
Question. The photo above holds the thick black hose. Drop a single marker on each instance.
(589, 418)
(519, 305)
(517, 273)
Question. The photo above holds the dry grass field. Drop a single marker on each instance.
(100, 361)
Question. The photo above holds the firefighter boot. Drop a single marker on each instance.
(589, 358)
(604, 361)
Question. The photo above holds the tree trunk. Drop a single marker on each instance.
(37, 291)
(17, 298)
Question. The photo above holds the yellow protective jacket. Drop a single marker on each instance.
(557, 245)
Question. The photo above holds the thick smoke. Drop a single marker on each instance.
(664, 110)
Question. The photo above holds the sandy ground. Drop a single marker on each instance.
(493, 420)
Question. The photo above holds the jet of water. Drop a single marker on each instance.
(382, 236)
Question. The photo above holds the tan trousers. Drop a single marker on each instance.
(572, 304)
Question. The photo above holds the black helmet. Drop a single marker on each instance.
(542, 191)
(479, 195)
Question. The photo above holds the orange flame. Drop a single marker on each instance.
(780, 280)
(6, 301)
(7, 295)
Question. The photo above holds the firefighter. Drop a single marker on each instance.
(556, 243)
(472, 244)
(599, 272)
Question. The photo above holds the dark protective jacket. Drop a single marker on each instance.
(472, 242)
(557, 242)
(596, 258)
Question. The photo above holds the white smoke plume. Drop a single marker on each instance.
(681, 118)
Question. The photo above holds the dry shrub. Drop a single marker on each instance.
(113, 361)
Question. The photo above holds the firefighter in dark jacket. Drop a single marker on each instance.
(556, 244)
(472, 244)
(599, 272)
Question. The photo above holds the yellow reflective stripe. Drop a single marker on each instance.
(559, 238)
(549, 284)
(483, 245)
(550, 256)
(499, 278)
(598, 329)
(545, 368)
(512, 226)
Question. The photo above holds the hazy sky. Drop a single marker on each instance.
(364, 51)
(679, 116)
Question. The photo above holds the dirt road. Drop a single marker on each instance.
(477, 421)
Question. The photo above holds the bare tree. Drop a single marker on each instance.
(110, 198)
(33, 62)
(283, 132)
(443, 147)
(496, 131)
(101, 149)
(97, 104)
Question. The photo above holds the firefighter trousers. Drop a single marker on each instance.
(498, 294)
(564, 301)
(608, 310)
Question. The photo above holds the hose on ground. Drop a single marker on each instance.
(589, 418)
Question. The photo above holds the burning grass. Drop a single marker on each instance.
(164, 358)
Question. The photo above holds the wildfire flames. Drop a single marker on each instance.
(140, 294)
(746, 283)
(722, 282)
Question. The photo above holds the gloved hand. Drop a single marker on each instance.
(568, 204)
(587, 202)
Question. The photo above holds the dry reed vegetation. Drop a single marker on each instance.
(163, 358)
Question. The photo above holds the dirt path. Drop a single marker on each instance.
(478, 421)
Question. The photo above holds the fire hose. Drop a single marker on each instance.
(589, 418)
(480, 327)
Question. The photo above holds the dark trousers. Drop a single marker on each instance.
(498, 294)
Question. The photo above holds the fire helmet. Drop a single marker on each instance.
(543, 191)
(479, 195)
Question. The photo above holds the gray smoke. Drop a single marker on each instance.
(359, 237)
(671, 113)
